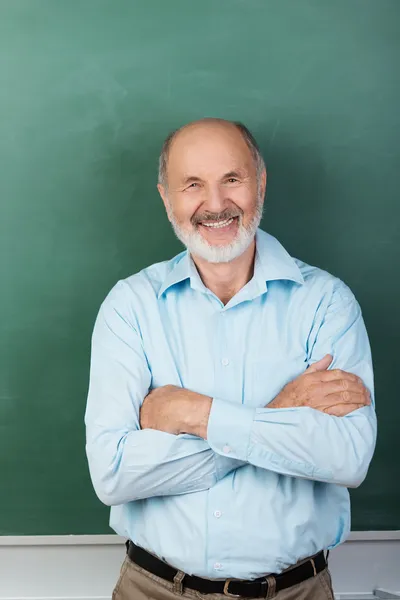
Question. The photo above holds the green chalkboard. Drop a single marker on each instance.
(88, 91)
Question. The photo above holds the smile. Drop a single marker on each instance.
(219, 224)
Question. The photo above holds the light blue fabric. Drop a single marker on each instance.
(268, 487)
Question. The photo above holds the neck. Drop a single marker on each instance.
(226, 279)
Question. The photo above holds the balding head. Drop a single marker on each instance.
(210, 124)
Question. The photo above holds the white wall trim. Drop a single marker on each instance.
(370, 536)
(60, 540)
(86, 567)
(70, 598)
(89, 540)
(63, 598)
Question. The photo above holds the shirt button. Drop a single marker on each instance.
(217, 566)
(226, 449)
(217, 514)
(225, 362)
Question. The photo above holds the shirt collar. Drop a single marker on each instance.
(272, 263)
(179, 270)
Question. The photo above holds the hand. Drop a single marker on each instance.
(176, 410)
(333, 392)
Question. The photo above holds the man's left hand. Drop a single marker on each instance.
(176, 410)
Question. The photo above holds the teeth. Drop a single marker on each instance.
(219, 224)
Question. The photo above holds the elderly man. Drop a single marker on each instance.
(230, 403)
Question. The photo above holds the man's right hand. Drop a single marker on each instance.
(333, 392)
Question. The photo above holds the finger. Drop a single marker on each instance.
(341, 410)
(322, 389)
(320, 365)
(334, 374)
(341, 398)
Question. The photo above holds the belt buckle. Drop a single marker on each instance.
(227, 592)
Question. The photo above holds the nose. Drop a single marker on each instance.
(215, 201)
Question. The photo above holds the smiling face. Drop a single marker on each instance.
(213, 196)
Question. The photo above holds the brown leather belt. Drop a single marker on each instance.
(232, 588)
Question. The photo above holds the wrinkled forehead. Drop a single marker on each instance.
(209, 150)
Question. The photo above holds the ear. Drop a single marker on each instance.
(163, 193)
(263, 182)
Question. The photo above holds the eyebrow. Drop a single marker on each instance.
(190, 179)
(237, 174)
(193, 179)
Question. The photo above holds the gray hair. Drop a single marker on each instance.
(245, 132)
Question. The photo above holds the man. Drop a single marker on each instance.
(230, 404)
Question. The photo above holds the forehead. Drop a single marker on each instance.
(208, 149)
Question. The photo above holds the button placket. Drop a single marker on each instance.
(223, 362)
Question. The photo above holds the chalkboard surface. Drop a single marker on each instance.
(88, 91)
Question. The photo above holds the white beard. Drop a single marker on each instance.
(198, 246)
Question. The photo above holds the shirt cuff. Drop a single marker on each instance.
(229, 428)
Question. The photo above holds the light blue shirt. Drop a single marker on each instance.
(269, 486)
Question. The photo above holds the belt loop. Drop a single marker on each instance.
(178, 579)
(271, 581)
(313, 566)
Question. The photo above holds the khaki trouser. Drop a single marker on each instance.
(137, 584)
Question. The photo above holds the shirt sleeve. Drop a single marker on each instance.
(300, 441)
(125, 462)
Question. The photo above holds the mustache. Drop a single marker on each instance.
(228, 213)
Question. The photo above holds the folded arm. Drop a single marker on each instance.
(301, 441)
(305, 436)
(127, 463)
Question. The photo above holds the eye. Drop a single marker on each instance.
(232, 180)
(193, 186)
